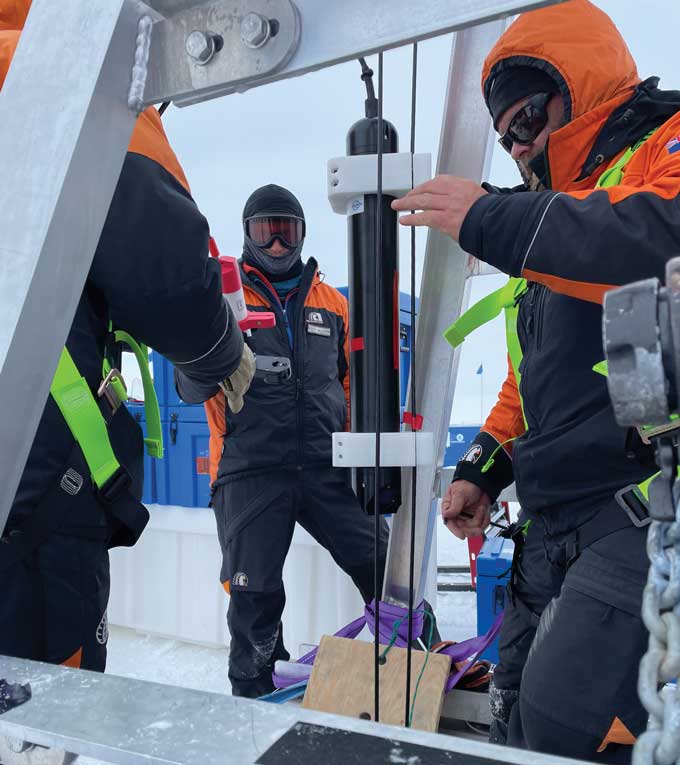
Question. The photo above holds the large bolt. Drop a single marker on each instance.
(200, 47)
(255, 30)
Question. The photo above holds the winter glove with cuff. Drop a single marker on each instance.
(236, 385)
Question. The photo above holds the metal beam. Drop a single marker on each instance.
(311, 35)
(66, 126)
(131, 722)
(465, 149)
(65, 129)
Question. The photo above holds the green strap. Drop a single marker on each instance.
(504, 299)
(613, 175)
(512, 341)
(644, 485)
(79, 408)
(484, 311)
(154, 439)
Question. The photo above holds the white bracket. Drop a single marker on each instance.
(349, 178)
(406, 449)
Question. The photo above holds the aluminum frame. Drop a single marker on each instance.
(133, 722)
(63, 101)
(343, 30)
(465, 149)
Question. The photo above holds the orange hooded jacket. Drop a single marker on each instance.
(574, 239)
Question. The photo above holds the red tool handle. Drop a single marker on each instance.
(232, 289)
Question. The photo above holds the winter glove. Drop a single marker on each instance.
(236, 385)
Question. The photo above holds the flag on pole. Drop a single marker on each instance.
(480, 371)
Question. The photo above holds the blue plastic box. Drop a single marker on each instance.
(149, 494)
(493, 574)
(185, 474)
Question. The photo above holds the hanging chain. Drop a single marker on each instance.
(660, 744)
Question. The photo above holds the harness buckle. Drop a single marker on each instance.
(648, 432)
(634, 505)
(113, 488)
(107, 389)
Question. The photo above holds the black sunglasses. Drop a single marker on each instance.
(527, 123)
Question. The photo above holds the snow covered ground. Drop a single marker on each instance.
(174, 662)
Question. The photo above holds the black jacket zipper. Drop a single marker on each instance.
(298, 355)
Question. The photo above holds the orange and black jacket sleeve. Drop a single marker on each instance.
(488, 461)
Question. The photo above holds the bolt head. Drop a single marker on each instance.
(255, 30)
(200, 47)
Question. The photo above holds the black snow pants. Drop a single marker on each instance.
(53, 603)
(571, 643)
(256, 518)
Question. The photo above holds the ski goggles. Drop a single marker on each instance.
(262, 230)
(527, 123)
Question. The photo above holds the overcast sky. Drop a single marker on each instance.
(286, 132)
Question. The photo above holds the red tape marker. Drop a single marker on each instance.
(414, 420)
(356, 344)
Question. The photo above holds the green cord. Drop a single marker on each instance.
(489, 463)
(393, 639)
(422, 671)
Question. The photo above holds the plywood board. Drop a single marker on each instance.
(342, 683)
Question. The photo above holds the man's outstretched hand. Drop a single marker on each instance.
(444, 202)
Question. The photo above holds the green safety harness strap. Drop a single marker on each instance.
(613, 175)
(79, 408)
(504, 299)
(154, 439)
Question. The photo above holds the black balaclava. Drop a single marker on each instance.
(515, 83)
(272, 200)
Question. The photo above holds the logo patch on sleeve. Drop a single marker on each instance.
(472, 454)
(673, 145)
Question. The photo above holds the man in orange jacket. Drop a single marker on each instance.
(271, 463)
(567, 101)
(151, 276)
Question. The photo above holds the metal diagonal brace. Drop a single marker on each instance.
(65, 129)
(309, 35)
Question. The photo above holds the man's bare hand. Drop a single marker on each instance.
(444, 201)
(465, 509)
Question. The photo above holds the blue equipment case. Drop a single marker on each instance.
(185, 467)
(493, 574)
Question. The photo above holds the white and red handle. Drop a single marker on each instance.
(232, 289)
